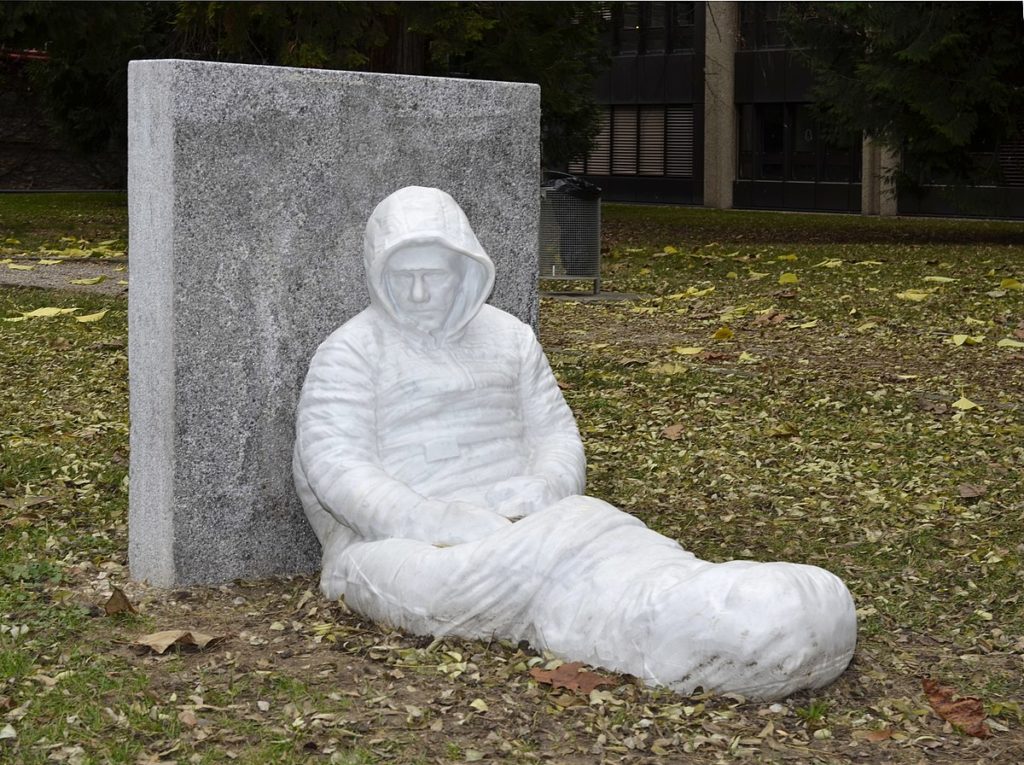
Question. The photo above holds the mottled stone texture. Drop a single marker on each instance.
(249, 188)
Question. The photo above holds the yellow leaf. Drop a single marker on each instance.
(789, 257)
(123, 282)
(670, 250)
(977, 322)
(809, 324)
(867, 325)
(668, 369)
(784, 429)
(688, 350)
(723, 333)
(748, 358)
(20, 267)
(906, 377)
(1011, 284)
(868, 263)
(479, 704)
(789, 278)
(48, 311)
(830, 263)
(755, 275)
(939, 279)
(92, 316)
(732, 275)
(965, 339)
(1008, 343)
(964, 404)
(916, 295)
(92, 280)
(12, 241)
(694, 292)
(50, 262)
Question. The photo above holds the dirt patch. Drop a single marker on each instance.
(112, 275)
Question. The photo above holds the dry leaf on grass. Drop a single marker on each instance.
(571, 676)
(118, 604)
(158, 642)
(967, 713)
(673, 432)
(971, 490)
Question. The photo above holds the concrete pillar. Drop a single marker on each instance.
(721, 30)
(877, 193)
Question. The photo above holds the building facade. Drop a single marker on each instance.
(704, 104)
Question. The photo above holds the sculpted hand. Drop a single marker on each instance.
(519, 496)
(467, 523)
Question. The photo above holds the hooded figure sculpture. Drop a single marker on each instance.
(443, 474)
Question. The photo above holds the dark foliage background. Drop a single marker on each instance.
(83, 85)
(942, 82)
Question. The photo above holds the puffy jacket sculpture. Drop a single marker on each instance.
(443, 474)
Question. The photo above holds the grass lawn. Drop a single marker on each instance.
(822, 389)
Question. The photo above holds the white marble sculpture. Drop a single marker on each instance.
(443, 474)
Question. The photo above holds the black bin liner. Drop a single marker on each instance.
(577, 261)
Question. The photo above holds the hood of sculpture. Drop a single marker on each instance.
(417, 215)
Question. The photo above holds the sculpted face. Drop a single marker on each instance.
(424, 280)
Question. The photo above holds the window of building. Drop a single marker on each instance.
(782, 142)
(652, 27)
(642, 140)
(761, 26)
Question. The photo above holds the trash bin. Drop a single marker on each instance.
(570, 229)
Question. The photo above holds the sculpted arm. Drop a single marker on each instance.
(556, 450)
(337, 450)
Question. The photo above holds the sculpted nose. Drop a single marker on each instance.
(419, 292)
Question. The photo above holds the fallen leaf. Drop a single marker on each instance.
(791, 257)
(874, 736)
(7, 732)
(669, 369)
(830, 263)
(965, 339)
(118, 603)
(673, 432)
(50, 262)
(916, 295)
(964, 404)
(479, 705)
(690, 350)
(722, 334)
(1008, 343)
(91, 280)
(48, 311)
(809, 324)
(971, 490)
(939, 279)
(783, 430)
(789, 278)
(967, 713)
(159, 642)
(867, 325)
(772, 316)
(188, 718)
(20, 267)
(756, 275)
(670, 250)
(572, 677)
(1010, 284)
(748, 358)
(92, 316)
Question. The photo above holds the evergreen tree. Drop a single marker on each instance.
(938, 81)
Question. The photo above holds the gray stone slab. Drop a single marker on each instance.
(249, 188)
